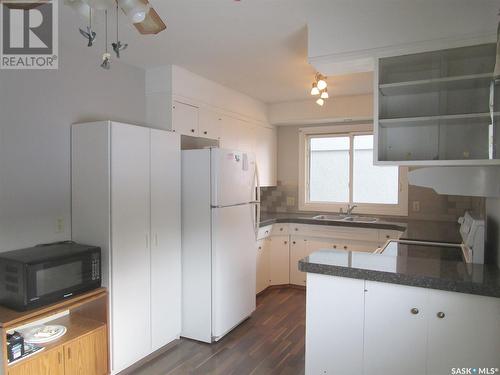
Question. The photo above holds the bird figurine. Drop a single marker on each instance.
(118, 46)
(89, 35)
(106, 61)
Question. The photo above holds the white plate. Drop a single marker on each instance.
(43, 333)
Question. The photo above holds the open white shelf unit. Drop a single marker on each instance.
(432, 108)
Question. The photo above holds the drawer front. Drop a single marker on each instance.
(385, 235)
(280, 229)
(264, 232)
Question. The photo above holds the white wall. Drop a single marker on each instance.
(308, 112)
(36, 111)
(493, 230)
(415, 20)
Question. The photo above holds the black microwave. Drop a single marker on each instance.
(41, 275)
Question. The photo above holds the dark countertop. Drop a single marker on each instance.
(440, 231)
(421, 269)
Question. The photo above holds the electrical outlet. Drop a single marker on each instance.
(290, 201)
(416, 206)
(59, 225)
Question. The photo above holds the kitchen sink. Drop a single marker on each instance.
(330, 217)
(361, 219)
(352, 219)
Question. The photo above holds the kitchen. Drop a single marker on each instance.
(285, 163)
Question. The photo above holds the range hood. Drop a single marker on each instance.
(468, 181)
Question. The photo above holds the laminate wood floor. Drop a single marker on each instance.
(270, 342)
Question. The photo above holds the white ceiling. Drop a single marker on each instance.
(258, 47)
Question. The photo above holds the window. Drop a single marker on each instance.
(337, 169)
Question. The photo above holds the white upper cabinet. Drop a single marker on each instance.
(433, 108)
(266, 154)
(185, 118)
(210, 124)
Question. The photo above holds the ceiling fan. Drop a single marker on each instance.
(140, 12)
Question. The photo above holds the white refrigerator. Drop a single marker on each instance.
(220, 219)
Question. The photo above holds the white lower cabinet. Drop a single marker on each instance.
(334, 325)
(395, 330)
(372, 328)
(263, 264)
(279, 260)
(463, 331)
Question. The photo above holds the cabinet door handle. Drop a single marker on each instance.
(281, 229)
(345, 247)
(440, 315)
(296, 229)
(286, 242)
(387, 236)
(69, 353)
(260, 247)
(59, 357)
(414, 311)
(293, 242)
(334, 246)
(205, 132)
(192, 130)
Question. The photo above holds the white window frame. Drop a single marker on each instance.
(399, 209)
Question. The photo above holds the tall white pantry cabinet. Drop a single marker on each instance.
(126, 199)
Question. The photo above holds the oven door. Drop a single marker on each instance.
(55, 280)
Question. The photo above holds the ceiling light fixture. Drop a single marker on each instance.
(135, 10)
(319, 87)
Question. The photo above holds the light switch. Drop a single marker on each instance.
(416, 206)
(59, 225)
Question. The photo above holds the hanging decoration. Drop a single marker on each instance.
(139, 12)
(118, 46)
(89, 34)
(106, 57)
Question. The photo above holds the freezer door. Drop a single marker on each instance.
(234, 258)
(233, 177)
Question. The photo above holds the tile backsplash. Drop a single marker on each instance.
(432, 206)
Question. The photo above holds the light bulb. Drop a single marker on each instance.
(321, 84)
(320, 102)
(135, 10)
(314, 90)
(324, 94)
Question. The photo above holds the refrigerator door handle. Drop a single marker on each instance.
(257, 214)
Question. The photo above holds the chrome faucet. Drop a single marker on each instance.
(350, 208)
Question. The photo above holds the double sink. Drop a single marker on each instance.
(348, 218)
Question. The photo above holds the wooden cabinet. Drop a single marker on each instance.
(126, 199)
(48, 363)
(395, 330)
(432, 108)
(87, 355)
(263, 264)
(185, 119)
(279, 259)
